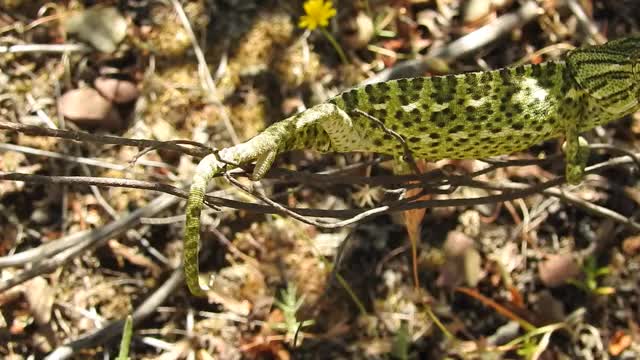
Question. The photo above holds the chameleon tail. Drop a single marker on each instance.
(209, 167)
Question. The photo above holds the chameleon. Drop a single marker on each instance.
(462, 116)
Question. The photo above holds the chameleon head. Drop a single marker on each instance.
(609, 74)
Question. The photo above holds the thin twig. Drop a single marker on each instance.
(84, 160)
(467, 44)
(113, 329)
(92, 240)
(82, 136)
(44, 48)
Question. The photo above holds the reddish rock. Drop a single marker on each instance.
(557, 269)
(116, 90)
(88, 109)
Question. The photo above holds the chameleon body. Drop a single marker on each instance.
(471, 115)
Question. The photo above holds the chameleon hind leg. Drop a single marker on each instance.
(210, 166)
(263, 148)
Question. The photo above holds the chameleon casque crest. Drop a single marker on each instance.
(464, 116)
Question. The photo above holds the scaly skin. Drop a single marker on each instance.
(464, 116)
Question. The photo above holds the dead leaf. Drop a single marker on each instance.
(413, 223)
(631, 245)
(620, 341)
(133, 256)
(40, 297)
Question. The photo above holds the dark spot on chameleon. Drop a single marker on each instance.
(394, 127)
(435, 144)
(536, 70)
(539, 128)
(552, 68)
(350, 99)
(517, 126)
(470, 109)
(414, 139)
(484, 117)
(495, 130)
(456, 129)
(369, 89)
(487, 111)
(476, 96)
(417, 83)
(546, 83)
(403, 84)
(441, 124)
(405, 99)
(383, 86)
(380, 114)
(415, 114)
(423, 128)
(398, 146)
(387, 137)
(508, 114)
(452, 80)
(443, 97)
(460, 101)
(520, 70)
(434, 135)
(407, 124)
(505, 75)
(477, 127)
(398, 114)
(503, 106)
(471, 79)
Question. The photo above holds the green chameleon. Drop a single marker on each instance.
(464, 116)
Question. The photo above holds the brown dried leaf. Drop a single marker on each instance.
(631, 245)
(620, 341)
(133, 256)
(40, 297)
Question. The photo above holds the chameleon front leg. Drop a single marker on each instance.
(576, 149)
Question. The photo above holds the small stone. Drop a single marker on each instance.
(457, 244)
(102, 27)
(359, 31)
(557, 269)
(88, 109)
(40, 217)
(116, 90)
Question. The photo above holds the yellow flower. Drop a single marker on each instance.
(317, 13)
